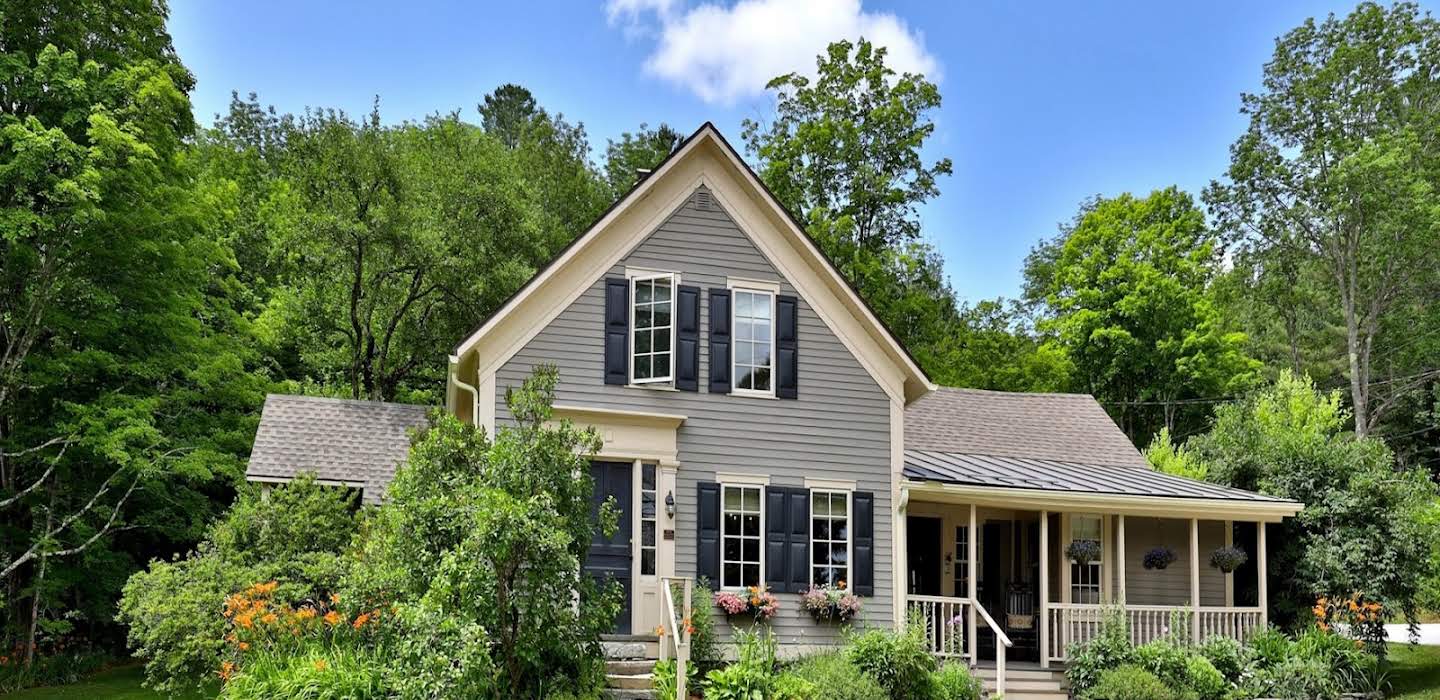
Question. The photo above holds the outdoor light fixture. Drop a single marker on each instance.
(670, 504)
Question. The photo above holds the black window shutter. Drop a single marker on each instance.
(799, 544)
(776, 546)
(687, 338)
(787, 381)
(707, 530)
(719, 341)
(864, 554)
(617, 330)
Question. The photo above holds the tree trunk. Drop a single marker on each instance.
(35, 612)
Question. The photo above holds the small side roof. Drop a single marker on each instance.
(341, 441)
(1060, 427)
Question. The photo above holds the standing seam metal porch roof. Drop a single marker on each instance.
(1069, 477)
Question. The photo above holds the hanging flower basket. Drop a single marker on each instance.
(1083, 551)
(830, 603)
(1229, 558)
(1159, 558)
(755, 601)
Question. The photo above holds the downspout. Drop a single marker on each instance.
(474, 393)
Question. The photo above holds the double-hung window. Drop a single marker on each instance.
(652, 329)
(754, 331)
(740, 546)
(829, 537)
(1085, 576)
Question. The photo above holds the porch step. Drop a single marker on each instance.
(617, 647)
(621, 694)
(1026, 683)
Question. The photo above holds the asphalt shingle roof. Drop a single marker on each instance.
(1051, 475)
(1060, 427)
(355, 442)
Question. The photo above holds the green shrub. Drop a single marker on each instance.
(954, 682)
(1204, 679)
(1164, 659)
(900, 662)
(61, 668)
(320, 674)
(1226, 655)
(1269, 648)
(437, 655)
(704, 645)
(1110, 648)
(1291, 678)
(1338, 653)
(836, 678)
(172, 609)
(738, 682)
(1129, 683)
(789, 686)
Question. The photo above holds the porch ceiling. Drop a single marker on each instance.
(1071, 481)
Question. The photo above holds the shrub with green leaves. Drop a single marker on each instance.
(1131, 683)
(1110, 648)
(1226, 655)
(293, 537)
(898, 661)
(1292, 678)
(1337, 652)
(836, 678)
(1204, 679)
(1268, 648)
(319, 673)
(704, 644)
(954, 682)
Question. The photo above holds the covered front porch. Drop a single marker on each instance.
(982, 544)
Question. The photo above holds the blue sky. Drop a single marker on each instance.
(1045, 104)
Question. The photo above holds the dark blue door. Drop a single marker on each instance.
(609, 558)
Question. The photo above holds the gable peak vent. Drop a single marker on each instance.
(703, 201)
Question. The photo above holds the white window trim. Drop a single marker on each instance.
(762, 488)
(1098, 586)
(752, 284)
(742, 479)
(639, 519)
(734, 376)
(849, 534)
(647, 276)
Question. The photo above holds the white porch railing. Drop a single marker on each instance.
(1075, 623)
(677, 630)
(946, 620)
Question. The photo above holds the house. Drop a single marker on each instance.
(762, 427)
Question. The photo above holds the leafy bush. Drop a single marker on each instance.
(836, 678)
(437, 655)
(1204, 679)
(1226, 655)
(1129, 683)
(316, 673)
(789, 686)
(1110, 648)
(1269, 648)
(61, 668)
(293, 537)
(900, 662)
(704, 645)
(752, 675)
(1292, 678)
(1338, 653)
(954, 682)
(1164, 659)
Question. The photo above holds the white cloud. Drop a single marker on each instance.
(723, 53)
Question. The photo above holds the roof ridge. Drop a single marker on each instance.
(1002, 392)
(1068, 462)
(341, 400)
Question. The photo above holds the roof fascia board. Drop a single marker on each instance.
(1153, 506)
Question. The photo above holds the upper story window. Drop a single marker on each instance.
(754, 330)
(652, 329)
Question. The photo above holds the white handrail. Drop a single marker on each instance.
(1002, 642)
(678, 631)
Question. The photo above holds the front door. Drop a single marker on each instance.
(923, 550)
(609, 558)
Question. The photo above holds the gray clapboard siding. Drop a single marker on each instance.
(838, 428)
(1171, 586)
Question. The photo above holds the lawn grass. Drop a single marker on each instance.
(122, 683)
(1415, 672)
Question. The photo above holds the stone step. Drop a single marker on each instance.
(629, 667)
(627, 694)
(630, 646)
(639, 681)
(1021, 673)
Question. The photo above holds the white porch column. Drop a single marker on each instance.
(970, 636)
(1195, 580)
(900, 575)
(1120, 557)
(1044, 589)
(1230, 578)
(1262, 583)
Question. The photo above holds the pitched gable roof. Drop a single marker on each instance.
(1059, 427)
(705, 158)
(355, 443)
